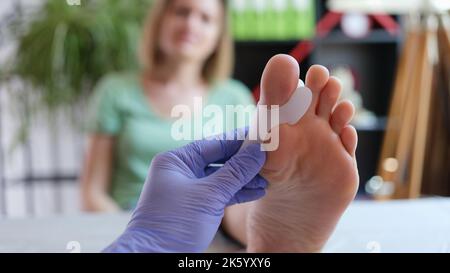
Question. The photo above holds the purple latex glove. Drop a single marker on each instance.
(183, 200)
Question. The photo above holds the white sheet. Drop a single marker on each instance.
(406, 226)
(400, 226)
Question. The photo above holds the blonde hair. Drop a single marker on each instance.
(216, 68)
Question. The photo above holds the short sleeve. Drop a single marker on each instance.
(104, 112)
(242, 95)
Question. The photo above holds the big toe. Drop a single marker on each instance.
(279, 80)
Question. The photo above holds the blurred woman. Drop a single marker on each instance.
(186, 53)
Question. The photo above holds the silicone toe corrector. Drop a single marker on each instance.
(265, 120)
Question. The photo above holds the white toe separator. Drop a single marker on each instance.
(290, 113)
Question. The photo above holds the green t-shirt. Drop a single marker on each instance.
(120, 109)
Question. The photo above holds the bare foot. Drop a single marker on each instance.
(313, 175)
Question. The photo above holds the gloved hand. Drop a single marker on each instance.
(183, 200)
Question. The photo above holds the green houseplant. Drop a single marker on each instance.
(63, 50)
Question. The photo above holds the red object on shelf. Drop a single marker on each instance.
(325, 25)
(387, 22)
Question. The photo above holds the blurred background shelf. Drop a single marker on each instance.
(376, 36)
(267, 43)
(372, 59)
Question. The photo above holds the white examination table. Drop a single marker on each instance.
(400, 226)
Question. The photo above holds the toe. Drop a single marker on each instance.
(329, 98)
(316, 79)
(342, 116)
(279, 80)
(349, 138)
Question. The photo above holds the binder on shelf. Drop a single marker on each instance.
(273, 19)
